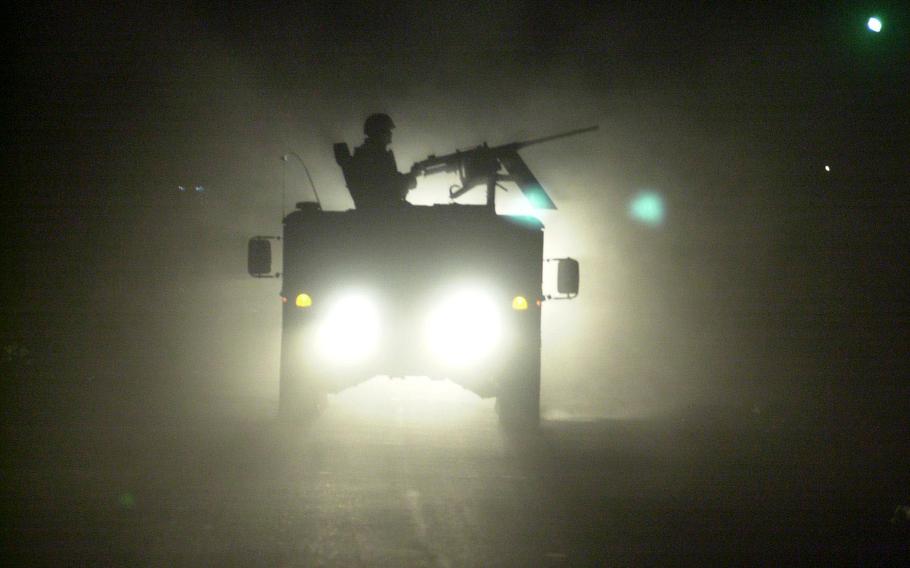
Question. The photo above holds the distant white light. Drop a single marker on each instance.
(199, 189)
(181, 188)
(827, 168)
(874, 24)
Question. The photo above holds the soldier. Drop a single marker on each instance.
(372, 174)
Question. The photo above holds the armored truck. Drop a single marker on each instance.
(447, 291)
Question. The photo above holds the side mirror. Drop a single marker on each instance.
(259, 257)
(567, 277)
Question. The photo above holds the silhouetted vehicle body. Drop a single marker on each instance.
(449, 291)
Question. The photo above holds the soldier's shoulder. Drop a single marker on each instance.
(366, 150)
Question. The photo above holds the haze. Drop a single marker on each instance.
(773, 287)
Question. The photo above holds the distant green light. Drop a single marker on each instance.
(647, 207)
(126, 500)
(874, 24)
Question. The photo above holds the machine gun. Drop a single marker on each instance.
(483, 164)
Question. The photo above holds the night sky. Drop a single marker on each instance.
(770, 278)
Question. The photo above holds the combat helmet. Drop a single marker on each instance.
(376, 124)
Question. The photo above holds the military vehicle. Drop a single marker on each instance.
(447, 291)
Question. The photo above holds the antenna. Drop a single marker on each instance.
(284, 159)
(284, 182)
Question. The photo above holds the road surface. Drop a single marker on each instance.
(414, 473)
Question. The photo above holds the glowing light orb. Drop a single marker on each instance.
(874, 24)
(350, 330)
(648, 208)
(463, 328)
(827, 168)
(537, 198)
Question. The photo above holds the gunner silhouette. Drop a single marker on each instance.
(371, 173)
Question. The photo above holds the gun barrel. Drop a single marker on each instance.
(433, 164)
(451, 162)
(520, 145)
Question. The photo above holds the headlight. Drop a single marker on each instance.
(463, 327)
(349, 331)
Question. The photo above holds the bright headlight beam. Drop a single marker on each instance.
(349, 331)
(464, 327)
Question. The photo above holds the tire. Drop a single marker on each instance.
(518, 401)
(300, 397)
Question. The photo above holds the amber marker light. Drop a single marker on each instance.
(303, 301)
(519, 303)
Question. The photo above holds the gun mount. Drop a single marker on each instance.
(483, 165)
